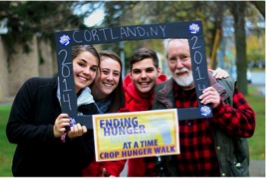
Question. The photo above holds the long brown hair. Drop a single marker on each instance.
(77, 49)
(117, 96)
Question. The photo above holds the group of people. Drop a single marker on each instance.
(208, 146)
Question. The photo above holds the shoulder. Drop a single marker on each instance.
(229, 85)
(38, 82)
(41, 81)
(230, 82)
(164, 84)
(35, 84)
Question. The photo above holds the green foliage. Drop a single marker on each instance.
(147, 12)
(114, 12)
(255, 48)
(26, 19)
(260, 5)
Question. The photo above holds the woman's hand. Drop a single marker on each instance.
(60, 125)
(76, 131)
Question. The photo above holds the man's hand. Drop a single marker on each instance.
(210, 96)
(220, 73)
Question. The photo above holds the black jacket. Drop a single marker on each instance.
(30, 126)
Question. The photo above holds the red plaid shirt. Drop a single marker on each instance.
(198, 155)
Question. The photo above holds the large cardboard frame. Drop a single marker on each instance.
(191, 30)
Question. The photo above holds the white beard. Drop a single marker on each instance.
(183, 81)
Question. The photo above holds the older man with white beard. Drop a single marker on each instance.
(207, 145)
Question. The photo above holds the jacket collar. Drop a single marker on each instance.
(168, 87)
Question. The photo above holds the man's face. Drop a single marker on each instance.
(179, 62)
(144, 75)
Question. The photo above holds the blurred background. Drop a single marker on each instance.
(234, 37)
(234, 33)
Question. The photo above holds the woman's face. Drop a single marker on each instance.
(85, 66)
(107, 78)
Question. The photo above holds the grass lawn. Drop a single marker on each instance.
(6, 149)
(257, 142)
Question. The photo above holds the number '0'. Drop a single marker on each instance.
(65, 70)
(197, 54)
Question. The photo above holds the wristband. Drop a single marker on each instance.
(63, 137)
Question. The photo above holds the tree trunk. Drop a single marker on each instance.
(238, 11)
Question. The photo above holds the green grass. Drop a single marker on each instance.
(6, 149)
(256, 142)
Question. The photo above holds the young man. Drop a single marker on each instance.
(144, 75)
(209, 147)
(139, 91)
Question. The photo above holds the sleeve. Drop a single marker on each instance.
(239, 120)
(113, 167)
(22, 126)
(81, 149)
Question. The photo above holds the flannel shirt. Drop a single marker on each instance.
(198, 155)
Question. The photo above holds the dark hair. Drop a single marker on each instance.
(77, 49)
(117, 96)
(141, 54)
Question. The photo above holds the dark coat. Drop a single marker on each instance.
(30, 126)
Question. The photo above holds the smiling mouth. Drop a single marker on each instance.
(83, 78)
(181, 73)
(108, 84)
(144, 84)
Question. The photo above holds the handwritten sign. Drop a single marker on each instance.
(136, 134)
(191, 30)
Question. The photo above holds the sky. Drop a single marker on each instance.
(95, 18)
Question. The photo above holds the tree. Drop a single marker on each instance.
(210, 13)
(238, 11)
(26, 19)
(255, 49)
(260, 5)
